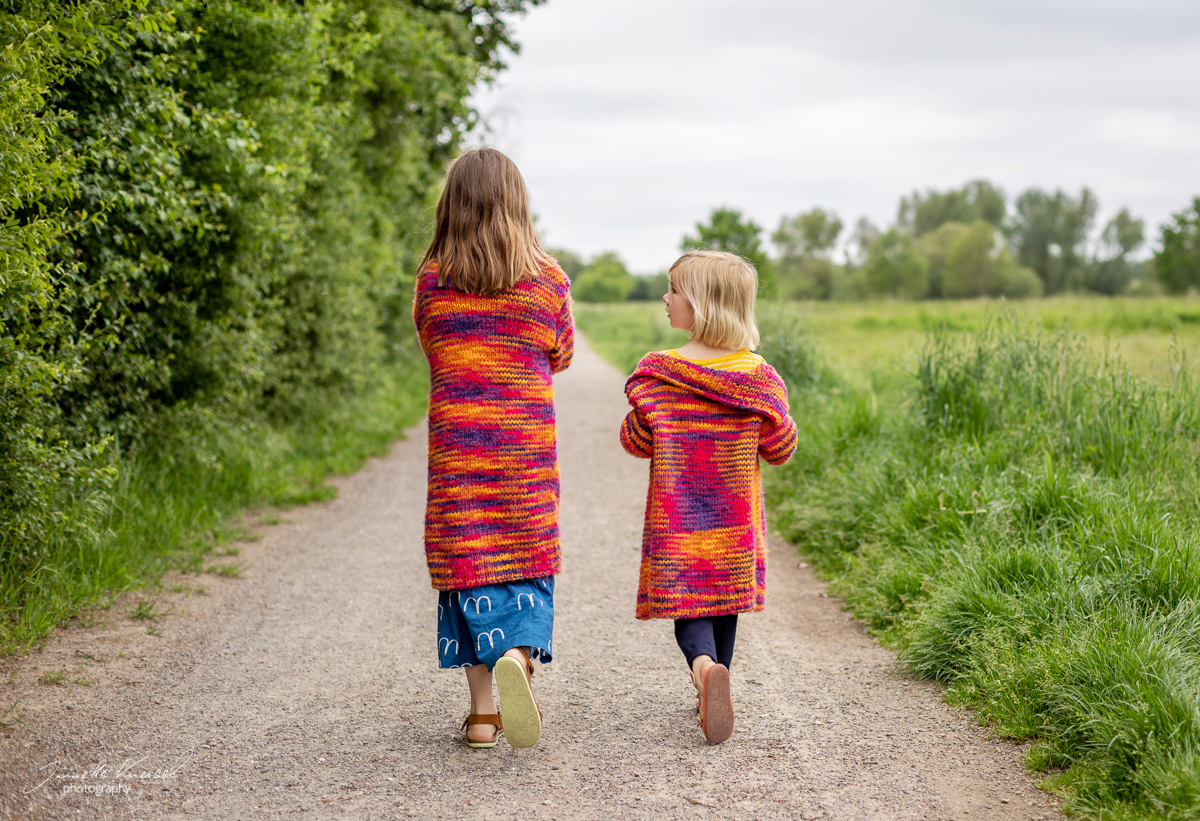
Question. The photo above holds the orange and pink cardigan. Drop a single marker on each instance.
(704, 543)
(491, 513)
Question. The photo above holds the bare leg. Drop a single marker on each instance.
(479, 679)
(516, 653)
(699, 665)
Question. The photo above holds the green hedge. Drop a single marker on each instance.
(209, 213)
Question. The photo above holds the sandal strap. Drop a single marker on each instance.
(481, 718)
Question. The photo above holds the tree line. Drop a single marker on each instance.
(960, 243)
(209, 212)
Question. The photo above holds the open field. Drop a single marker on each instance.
(1012, 510)
(856, 337)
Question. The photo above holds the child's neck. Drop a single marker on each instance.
(698, 350)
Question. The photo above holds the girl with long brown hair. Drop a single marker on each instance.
(493, 313)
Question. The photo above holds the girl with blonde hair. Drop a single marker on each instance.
(704, 414)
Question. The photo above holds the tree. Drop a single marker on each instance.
(805, 242)
(1178, 263)
(977, 200)
(934, 245)
(1124, 233)
(41, 468)
(807, 235)
(1122, 236)
(895, 268)
(865, 234)
(969, 262)
(605, 279)
(728, 230)
(649, 287)
(1048, 232)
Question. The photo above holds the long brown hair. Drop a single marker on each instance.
(483, 236)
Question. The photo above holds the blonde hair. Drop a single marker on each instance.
(483, 235)
(720, 287)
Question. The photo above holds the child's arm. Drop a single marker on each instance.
(416, 314)
(636, 436)
(564, 339)
(777, 442)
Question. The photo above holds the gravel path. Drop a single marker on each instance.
(308, 688)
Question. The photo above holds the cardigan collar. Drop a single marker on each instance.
(758, 391)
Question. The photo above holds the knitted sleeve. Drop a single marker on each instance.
(777, 441)
(416, 312)
(564, 338)
(636, 436)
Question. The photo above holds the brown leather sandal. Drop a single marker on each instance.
(482, 718)
(522, 718)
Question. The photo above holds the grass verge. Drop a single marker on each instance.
(174, 498)
(1020, 523)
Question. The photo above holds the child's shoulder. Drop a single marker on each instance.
(428, 275)
(552, 274)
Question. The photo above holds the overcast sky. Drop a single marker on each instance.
(632, 119)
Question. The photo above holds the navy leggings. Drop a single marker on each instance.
(712, 636)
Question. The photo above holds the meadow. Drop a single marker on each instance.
(864, 337)
(1007, 495)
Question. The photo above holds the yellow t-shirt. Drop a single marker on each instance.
(741, 361)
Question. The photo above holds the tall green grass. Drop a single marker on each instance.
(1022, 523)
(175, 497)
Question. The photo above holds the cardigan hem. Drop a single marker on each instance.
(700, 612)
(538, 572)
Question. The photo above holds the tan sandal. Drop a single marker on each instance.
(714, 704)
(482, 718)
(522, 718)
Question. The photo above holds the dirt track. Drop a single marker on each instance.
(308, 688)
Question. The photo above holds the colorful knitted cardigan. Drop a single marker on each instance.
(491, 514)
(704, 549)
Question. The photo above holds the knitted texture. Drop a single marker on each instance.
(491, 514)
(704, 544)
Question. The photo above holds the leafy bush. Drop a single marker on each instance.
(46, 479)
(604, 279)
(807, 278)
(1178, 262)
(895, 267)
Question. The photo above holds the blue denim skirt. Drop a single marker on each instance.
(478, 625)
